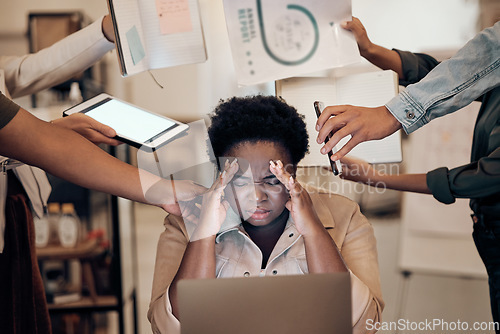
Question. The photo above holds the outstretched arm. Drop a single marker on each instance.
(377, 55)
(360, 171)
(59, 62)
(66, 154)
(450, 86)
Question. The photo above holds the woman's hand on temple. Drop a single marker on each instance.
(300, 203)
(213, 206)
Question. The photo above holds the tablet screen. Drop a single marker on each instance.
(128, 120)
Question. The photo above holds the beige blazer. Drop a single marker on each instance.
(237, 255)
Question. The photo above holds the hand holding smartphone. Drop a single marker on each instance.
(336, 165)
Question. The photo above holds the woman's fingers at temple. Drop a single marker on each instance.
(226, 205)
(294, 187)
(285, 178)
(227, 174)
(218, 181)
(213, 209)
(281, 174)
(230, 170)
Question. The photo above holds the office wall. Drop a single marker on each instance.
(14, 13)
(419, 25)
(191, 91)
(429, 23)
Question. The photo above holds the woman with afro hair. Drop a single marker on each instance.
(257, 220)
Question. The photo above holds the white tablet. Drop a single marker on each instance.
(133, 125)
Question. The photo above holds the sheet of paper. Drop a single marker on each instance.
(277, 39)
(175, 48)
(174, 16)
(371, 89)
(186, 45)
(301, 93)
(359, 89)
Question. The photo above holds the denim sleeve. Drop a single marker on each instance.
(475, 180)
(453, 84)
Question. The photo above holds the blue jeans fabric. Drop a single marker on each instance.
(486, 236)
(453, 84)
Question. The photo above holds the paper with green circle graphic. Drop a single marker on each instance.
(276, 39)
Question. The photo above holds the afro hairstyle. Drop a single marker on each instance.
(255, 119)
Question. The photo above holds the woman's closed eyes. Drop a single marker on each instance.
(241, 182)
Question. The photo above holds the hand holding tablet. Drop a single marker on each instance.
(133, 125)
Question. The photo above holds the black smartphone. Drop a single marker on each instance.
(336, 165)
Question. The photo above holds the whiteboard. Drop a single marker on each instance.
(437, 238)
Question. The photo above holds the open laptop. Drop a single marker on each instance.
(312, 304)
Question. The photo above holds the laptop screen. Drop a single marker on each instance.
(312, 303)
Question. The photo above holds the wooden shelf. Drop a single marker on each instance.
(85, 249)
(85, 252)
(101, 302)
(98, 261)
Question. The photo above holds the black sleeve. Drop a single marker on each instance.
(415, 66)
(478, 179)
(8, 110)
